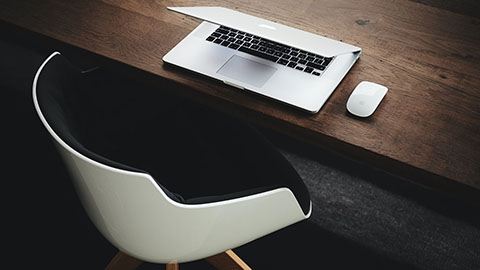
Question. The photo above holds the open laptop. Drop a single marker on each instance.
(289, 65)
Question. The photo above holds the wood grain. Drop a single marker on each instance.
(172, 266)
(466, 7)
(427, 129)
(122, 261)
(227, 260)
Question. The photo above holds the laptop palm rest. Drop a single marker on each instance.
(247, 71)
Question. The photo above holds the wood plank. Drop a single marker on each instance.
(426, 129)
(465, 7)
(227, 260)
(122, 261)
(172, 266)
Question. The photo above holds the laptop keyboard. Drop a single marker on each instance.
(284, 55)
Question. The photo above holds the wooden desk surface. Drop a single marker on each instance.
(427, 128)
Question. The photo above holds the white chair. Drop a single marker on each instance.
(139, 216)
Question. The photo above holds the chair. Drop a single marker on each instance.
(138, 213)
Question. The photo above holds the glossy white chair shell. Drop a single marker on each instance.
(137, 217)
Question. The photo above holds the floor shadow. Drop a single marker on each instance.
(303, 246)
(433, 200)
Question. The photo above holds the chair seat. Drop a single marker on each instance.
(195, 154)
(123, 144)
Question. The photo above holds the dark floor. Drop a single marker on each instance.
(384, 213)
(362, 218)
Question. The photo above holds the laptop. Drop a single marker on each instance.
(250, 53)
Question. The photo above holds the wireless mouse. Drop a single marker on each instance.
(365, 98)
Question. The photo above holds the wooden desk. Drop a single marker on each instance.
(427, 129)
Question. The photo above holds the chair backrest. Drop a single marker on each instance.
(132, 210)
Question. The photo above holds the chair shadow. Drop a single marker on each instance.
(303, 246)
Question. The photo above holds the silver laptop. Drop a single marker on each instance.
(286, 64)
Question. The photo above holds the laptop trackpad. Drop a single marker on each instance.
(247, 71)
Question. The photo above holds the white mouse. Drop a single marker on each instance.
(365, 98)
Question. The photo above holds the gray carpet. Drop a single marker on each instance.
(386, 214)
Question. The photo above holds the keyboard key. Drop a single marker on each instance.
(239, 42)
(292, 53)
(210, 38)
(216, 34)
(301, 61)
(231, 39)
(327, 61)
(318, 61)
(234, 46)
(255, 41)
(222, 31)
(310, 58)
(232, 34)
(294, 59)
(224, 37)
(246, 44)
(308, 69)
(247, 39)
(311, 64)
(316, 73)
(302, 56)
(239, 37)
(283, 62)
(225, 43)
(279, 54)
(299, 68)
(292, 64)
(317, 66)
(262, 49)
(285, 56)
(255, 47)
(259, 54)
(270, 51)
(218, 40)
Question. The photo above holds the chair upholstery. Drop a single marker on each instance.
(137, 201)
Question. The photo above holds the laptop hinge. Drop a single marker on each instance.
(276, 32)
